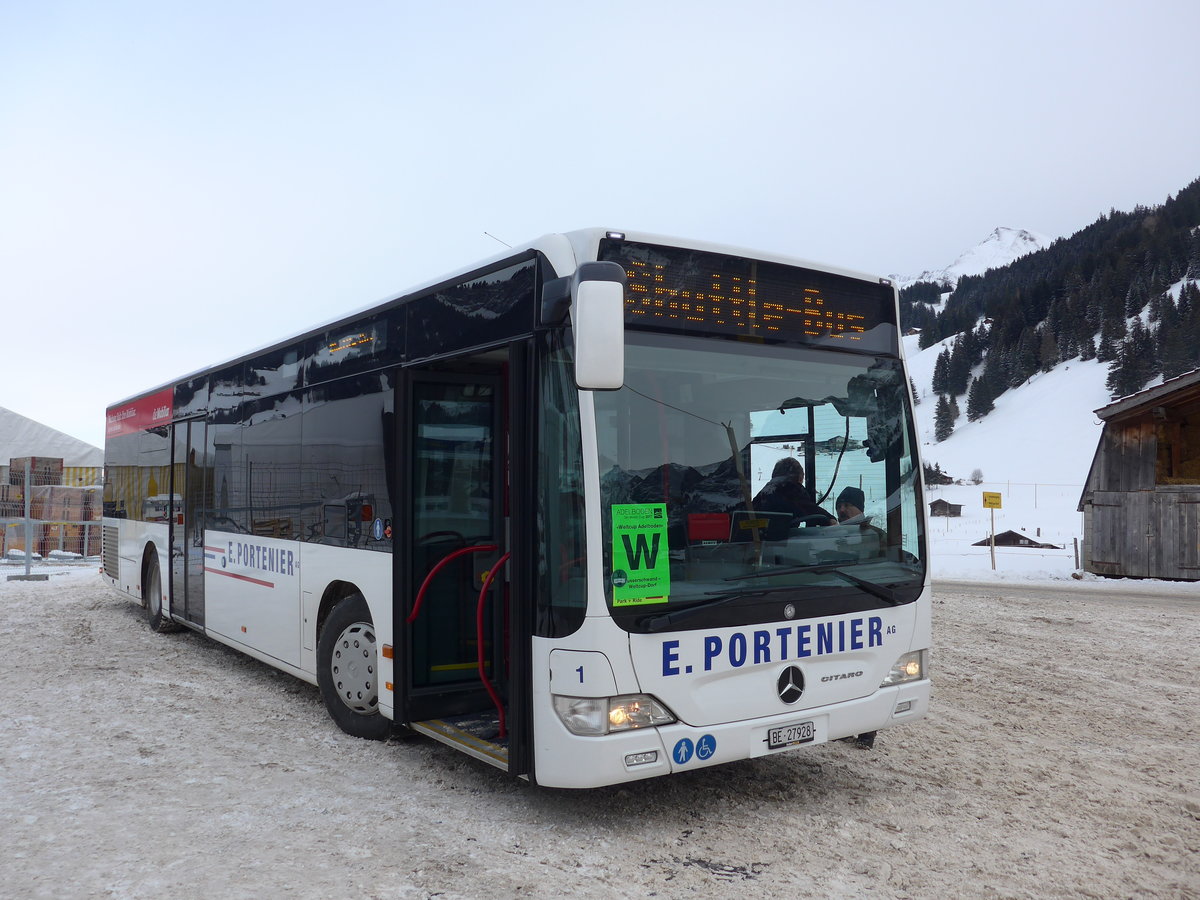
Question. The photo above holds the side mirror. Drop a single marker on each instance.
(598, 322)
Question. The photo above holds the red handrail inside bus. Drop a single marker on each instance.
(487, 583)
(441, 564)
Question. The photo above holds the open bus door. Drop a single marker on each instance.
(460, 568)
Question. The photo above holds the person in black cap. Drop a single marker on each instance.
(849, 506)
(786, 493)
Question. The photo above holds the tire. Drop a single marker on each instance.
(348, 670)
(158, 620)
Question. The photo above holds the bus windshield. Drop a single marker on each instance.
(751, 487)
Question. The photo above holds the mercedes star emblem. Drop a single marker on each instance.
(790, 684)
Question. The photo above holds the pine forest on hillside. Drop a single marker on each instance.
(1123, 291)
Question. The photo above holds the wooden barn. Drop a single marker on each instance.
(945, 508)
(1141, 503)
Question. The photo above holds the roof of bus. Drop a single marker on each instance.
(564, 251)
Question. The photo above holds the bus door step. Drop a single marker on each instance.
(475, 735)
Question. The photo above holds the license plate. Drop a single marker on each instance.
(790, 735)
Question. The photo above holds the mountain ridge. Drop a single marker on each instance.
(1000, 248)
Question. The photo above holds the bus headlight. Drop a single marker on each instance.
(909, 667)
(603, 715)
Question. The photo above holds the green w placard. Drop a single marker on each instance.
(641, 566)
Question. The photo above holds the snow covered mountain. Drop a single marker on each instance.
(999, 249)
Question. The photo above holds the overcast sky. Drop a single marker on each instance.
(183, 182)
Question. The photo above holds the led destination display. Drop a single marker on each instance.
(695, 292)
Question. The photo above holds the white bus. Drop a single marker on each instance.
(521, 510)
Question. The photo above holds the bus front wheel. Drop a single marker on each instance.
(348, 670)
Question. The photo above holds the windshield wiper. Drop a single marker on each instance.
(662, 621)
(883, 592)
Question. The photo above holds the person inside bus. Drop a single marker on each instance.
(786, 493)
(849, 507)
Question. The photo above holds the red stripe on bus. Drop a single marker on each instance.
(240, 577)
(141, 414)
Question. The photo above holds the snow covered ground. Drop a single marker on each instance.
(1059, 759)
(1046, 513)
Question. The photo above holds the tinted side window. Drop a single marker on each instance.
(474, 313)
(275, 372)
(364, 346)
(231, 504)
(137, 458)
(562, 594)
(120, 478)
(271, 449)
(348, 462)
(191, 397)
(154, 465)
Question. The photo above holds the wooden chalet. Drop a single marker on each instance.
(1141, 503)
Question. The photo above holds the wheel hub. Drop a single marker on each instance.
(354, 667)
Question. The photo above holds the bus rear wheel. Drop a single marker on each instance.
(159, 620)
(348, 670)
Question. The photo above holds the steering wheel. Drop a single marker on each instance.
(809, 521)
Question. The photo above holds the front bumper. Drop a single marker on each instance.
(583, 762)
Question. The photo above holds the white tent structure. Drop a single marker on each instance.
(21, 436)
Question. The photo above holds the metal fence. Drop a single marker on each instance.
(45, 521)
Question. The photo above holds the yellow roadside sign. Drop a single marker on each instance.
(991, 500)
